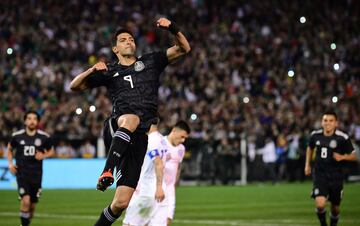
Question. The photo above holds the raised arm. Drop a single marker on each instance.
(79, 82)
(181, 46)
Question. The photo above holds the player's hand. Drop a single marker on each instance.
(13, 168)
(307, 170)
(163, 23)
(159, 195)
(338, 157)
(99, 66)
(39, 155)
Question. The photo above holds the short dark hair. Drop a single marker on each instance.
(120, 31)
(331, 112)
(32, 112)
(183, 126)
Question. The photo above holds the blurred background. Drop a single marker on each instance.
(258, 78)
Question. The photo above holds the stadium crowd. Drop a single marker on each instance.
(254, 69)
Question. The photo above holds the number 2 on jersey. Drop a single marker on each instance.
(129, 79)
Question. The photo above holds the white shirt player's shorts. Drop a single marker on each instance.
(160, 215)
(141, 211)
(171, 206)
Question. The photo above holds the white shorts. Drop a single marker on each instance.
(161, 214)
(140, 211)
(171, 206)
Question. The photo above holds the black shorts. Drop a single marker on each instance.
(331, 189)
(129, 170)
(28, 187)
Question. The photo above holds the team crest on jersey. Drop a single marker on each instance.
(37, 142)
(333, 144)
(139, 66)
(22, 142)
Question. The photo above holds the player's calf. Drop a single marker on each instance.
(321, 213)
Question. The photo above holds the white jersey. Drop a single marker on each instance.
(143, 206)
(147, 181)
(174, 157)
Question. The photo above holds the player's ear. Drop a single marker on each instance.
(114, 49)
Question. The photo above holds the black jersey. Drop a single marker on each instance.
(325, 164)
(25, 147)
(133, 89)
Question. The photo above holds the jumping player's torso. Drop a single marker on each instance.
(134, 88)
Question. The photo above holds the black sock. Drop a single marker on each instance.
(321, 213)
(119, 144)
(334, 219)
(107, 217)
(25, 218)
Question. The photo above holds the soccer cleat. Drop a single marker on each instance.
(105, 180)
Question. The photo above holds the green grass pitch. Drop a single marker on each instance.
(252, 205)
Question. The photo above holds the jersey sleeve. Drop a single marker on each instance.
(13, 142)
(312, 142)
(48, 143)
(161, 60)
(181, 153)
(153, 147)
(96, 79)
(348, 147)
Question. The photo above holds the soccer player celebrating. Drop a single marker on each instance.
(31, 146)
(174, 157)
(150, 190)
(132, 85)
(332, 147)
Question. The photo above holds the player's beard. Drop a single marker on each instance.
(32, 127)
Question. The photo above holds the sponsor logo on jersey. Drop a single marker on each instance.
(139, 66)
(37, 142)
(318, 142)
(22, 142)
(333, 144)
(116, 74)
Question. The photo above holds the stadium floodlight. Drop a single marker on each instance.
(302, 19)
(9, 51)
(336, 66)
(78, 111)
(334, 99)
(92, 108)
(291, 73)
(193, 116)
(333, 46)
(246, 100)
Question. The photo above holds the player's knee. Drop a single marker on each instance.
(129, 121)
(320, 203)
(25, 202)
(119, 204)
